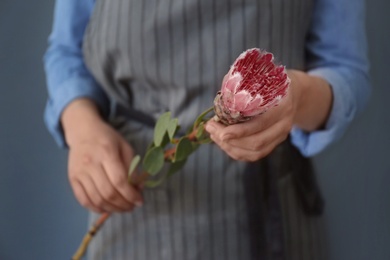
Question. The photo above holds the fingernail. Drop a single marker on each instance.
(139, 203)
(227, 137)
(210, 128)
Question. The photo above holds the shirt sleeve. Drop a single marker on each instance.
(337, 52)
(66, 74)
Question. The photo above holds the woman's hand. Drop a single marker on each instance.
(256, 138)
(99, 158)
(307, 105)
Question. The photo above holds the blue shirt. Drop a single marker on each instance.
(336, 47)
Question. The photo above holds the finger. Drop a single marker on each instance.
(236, 153)
(241, 154)
(258, 141)
(250, 127)
(107, 191)
(117, 174)
(260, 122)
(83, 198)
(127, 153)
(214, 128)
(97, 200)
(253, 126)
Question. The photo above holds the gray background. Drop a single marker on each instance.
(39, 218)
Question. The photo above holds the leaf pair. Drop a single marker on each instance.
(164, 132)
(165, 128)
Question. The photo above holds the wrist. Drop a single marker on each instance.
(298, 89)
(78, 119)
(313, 100)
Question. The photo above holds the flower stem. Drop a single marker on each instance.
(170, 153)
(137, 180)
(192, 135)
(90, 234)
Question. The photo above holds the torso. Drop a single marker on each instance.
(157, 56)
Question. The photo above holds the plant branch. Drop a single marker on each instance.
(136, 180)
(90, 234)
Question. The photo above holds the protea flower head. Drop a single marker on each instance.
(253, 84)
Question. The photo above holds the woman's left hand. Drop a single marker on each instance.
(256, 138)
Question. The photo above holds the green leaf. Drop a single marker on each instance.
(161, 128)
(201, 117)
(150, 146)
(200, 131)
(183, 149)
(195, 146)
(133, 165)
(154, 183)
(173, 168)
(206, 140)
(164, 141)
(172, 128)
(154, 160)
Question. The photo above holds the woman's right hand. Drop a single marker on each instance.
(98, 162)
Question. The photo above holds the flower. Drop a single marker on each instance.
(253, 84)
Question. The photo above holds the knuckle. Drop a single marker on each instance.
(238, 157)
(113, 158)
(72, 177)
(86, 158)
(100, 202)
(127, 149)
(268, 150)
(285, 129)
(288, 107)
(134, 193)
(110, 194)
(289, 124)
(258, 156)
(227, 148)
(258, 145)
(119, 180)
(253, 158)
(132, 198)
(96, 210)
(106, 142)
(107, 148)
(238, 131)
(234, 157)
(85, 203)
(284, 137)
(107, 153)
(131, 208)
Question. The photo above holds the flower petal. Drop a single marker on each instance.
(241, 100)
(254, 107)
(232, 83)
(253, 84)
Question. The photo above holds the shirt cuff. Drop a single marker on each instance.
(67, 92)
(342, 113)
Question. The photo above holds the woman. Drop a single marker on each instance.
(250, 196)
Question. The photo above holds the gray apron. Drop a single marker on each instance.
(152, 56)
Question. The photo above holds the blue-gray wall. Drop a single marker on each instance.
(355, 173)
(39, 218)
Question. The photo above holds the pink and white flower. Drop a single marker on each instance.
(253, 84)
